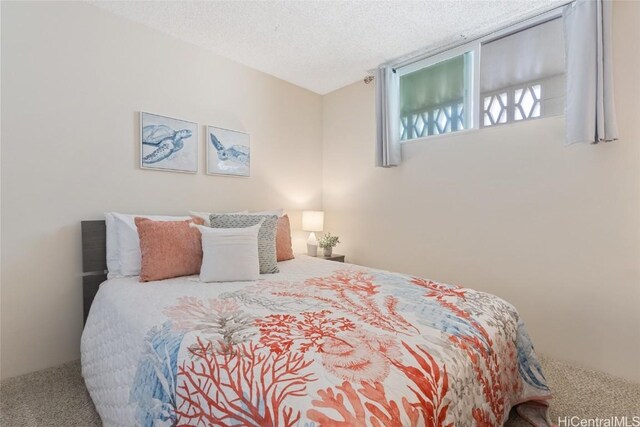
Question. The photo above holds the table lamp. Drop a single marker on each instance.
(312, 221)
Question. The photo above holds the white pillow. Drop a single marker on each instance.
(206, 216)
(229, 254)
(113, 258)
(125, 258)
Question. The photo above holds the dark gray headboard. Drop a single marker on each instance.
(94, 260)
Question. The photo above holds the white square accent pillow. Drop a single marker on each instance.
(266, 236)
(229, 254)
(123, 245)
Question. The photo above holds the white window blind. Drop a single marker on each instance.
(522, 75)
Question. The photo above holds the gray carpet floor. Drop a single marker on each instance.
(57, 397)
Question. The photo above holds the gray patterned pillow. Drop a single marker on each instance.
(266, 235)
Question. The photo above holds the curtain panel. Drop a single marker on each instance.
(590, 109)
(387, 117)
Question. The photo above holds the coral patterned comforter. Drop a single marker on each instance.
(319, 344)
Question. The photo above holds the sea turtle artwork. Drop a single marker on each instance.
(235, 153)
(168, 144)
(166, 140)
(233, 159)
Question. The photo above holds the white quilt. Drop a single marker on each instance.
(320, 343)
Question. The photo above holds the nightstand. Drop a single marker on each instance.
(334, 257)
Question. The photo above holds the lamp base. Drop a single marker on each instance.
(312, 245)
(312, 250)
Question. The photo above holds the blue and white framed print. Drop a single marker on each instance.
(228, 152)
(168, 144)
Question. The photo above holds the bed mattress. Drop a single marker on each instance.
(319, 344)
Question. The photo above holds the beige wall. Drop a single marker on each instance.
(73, 79)
(555, 230)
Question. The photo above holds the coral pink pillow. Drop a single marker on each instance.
(169, 248)
(283, 239)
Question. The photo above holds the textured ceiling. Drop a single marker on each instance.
(324, 45)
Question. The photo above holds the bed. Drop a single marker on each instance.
(319, 344)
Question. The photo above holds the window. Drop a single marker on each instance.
(434, 99)
(512, 105)
(507, 77)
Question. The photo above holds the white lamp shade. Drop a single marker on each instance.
(312, 220)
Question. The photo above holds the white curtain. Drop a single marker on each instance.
(590, 109)
(387, 117)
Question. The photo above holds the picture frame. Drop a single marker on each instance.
(168, 143)
(228, 152)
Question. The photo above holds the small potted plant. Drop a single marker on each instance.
(327, 242)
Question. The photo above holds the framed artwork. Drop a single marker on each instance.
(228, 152)
(168, 144)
